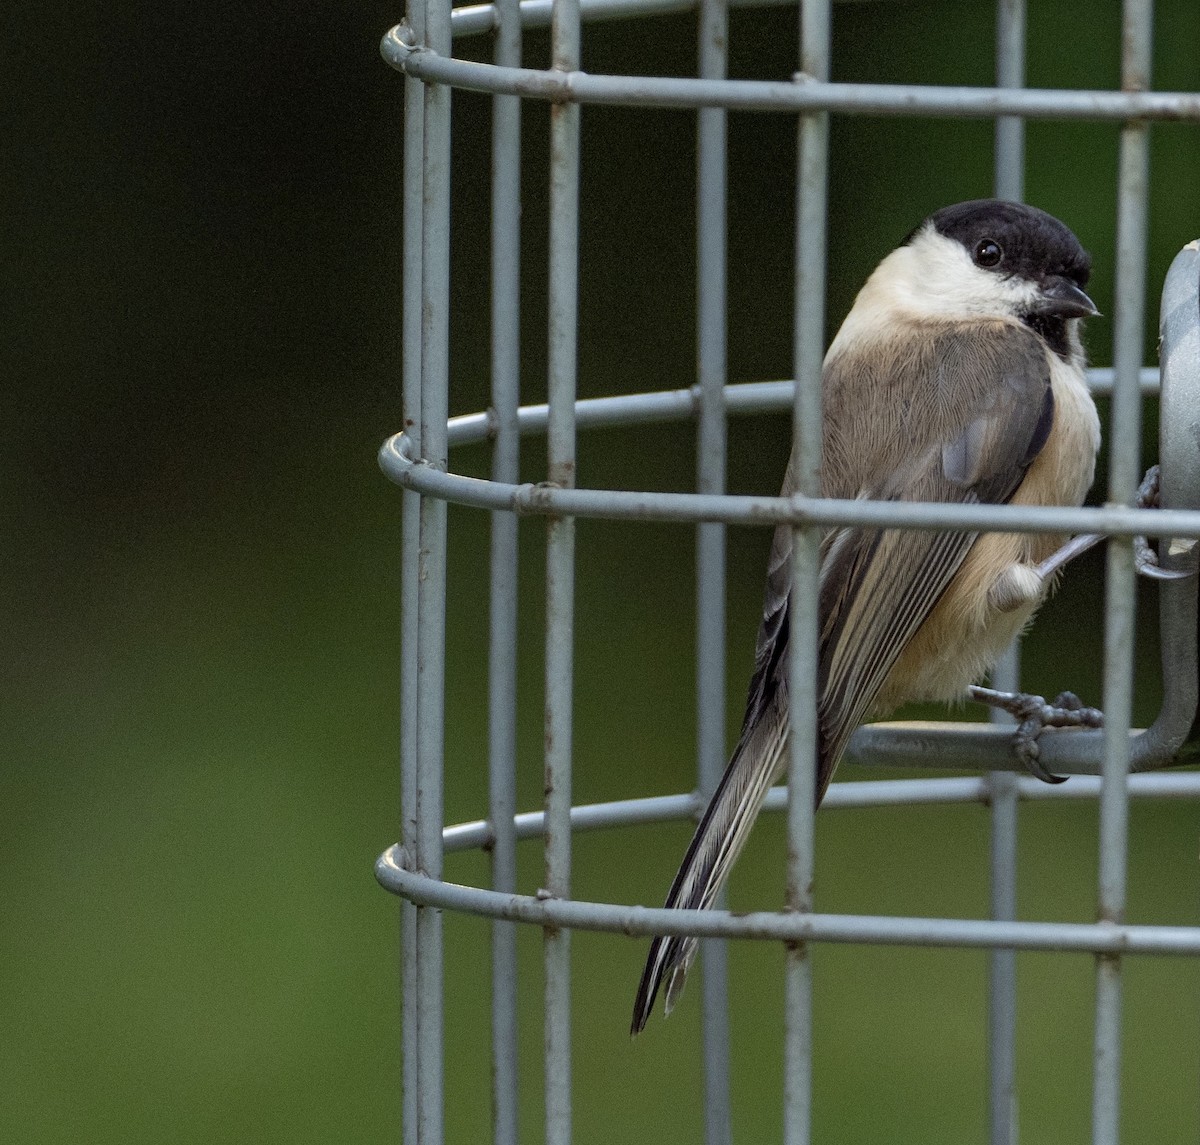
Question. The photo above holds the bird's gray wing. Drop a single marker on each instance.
(879, 585)
(989, 420)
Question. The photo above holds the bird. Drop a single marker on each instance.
(958, 375)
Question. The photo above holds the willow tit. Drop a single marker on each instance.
(958, 376)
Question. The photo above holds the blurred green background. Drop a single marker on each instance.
(200, 582)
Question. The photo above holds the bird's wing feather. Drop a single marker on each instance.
(981, 409)
(719, 838)
(969, 414)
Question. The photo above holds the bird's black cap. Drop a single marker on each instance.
(1034, 245)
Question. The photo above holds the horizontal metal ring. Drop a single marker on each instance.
(1107, 938)
(626, 505)
(478, 19)
(479, 834)
(800, 95)
(741, 398)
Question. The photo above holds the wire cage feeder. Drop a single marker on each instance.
(1113, 766)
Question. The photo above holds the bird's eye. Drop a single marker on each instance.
(988, 253)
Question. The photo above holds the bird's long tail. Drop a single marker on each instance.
(757, 762)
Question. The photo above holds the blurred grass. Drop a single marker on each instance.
(200, 577)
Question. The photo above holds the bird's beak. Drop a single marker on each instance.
(1061, 297)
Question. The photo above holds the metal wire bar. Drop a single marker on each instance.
(478, 19)
(803, 629)
(984, 745)
(677, 405)
(776, 95)
(431, 617)
(1100, 380)
(1009, 145)
(1120, 606)
(478, 835)
(1009, 183)
(711, 196)
(1179, 449)
(1002, 964)
(502, 642)
(812, 167)
(740, 509)
(410, 549)
(560, 567)
(947, 745)
(786, 926)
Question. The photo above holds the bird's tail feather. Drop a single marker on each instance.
(755, 765)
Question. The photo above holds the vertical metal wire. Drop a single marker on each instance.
(1124, 472)
(560, 564)
(431, 621)
(414, 114)
(711, 253)
(1002, 964)
(812, 161)
(502, 645)
(1010, 72)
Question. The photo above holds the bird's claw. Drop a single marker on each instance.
(1149, 492)
(1033, 716)
(1145, 561)
(1149, 496)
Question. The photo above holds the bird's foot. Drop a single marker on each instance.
(1144, 557)
(1149, 496)
(1033, 716)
